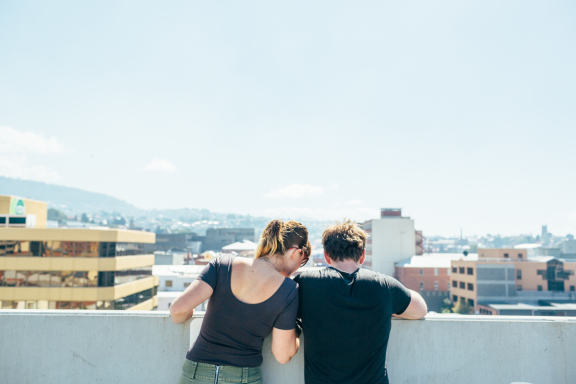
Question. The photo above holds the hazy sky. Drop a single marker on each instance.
(461, 113)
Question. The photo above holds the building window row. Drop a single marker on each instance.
(69, 249)
(74, 279)
(119, 304)
(463, 285)
(463, 270)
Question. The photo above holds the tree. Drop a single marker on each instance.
(85, 218)
(462, 307)
(446, 306)
(56, 215)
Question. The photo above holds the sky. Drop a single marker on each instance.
(460, 113)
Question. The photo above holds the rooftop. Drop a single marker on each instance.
(434, 260)
(76, 234)
(146, 347)
(177, 270)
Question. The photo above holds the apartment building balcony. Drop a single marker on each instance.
(146, 347)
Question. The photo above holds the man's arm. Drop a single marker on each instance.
(416, 309)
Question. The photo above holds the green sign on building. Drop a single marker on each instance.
(17, 207)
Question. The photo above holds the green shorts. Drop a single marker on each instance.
(202, 373)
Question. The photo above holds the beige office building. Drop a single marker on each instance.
(62, 268)
(508, 276)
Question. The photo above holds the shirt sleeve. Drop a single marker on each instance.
(209, 274)
(399, 294)
(286, 320)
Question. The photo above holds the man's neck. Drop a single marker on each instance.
(348, 266)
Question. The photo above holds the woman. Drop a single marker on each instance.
(249, 299)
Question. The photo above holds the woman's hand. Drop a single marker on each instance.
(183, 307)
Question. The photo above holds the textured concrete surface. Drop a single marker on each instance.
(146, 347)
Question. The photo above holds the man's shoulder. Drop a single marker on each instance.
(312, 273)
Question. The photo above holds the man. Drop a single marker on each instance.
(346, 312)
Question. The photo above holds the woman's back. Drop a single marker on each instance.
(249, 299)
(253, 281)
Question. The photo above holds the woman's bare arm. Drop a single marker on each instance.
(183, 307)
(285, 344)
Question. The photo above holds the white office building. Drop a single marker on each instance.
(392, 239)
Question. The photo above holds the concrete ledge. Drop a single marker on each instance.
(146, 347)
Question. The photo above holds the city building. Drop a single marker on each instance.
(62, 268)
(17, 212)
(392, 239)
(429, 275)
(244, 248)
(188, 242)
(217, 238)
(508, 276)
(541, 309)
(214, 240)
(170, 257)
(568, 249)
(173, 280)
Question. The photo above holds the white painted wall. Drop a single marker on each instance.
(393, 240)
(146, 347)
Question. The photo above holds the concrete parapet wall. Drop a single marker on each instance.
(146, 347)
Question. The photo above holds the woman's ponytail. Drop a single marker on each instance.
(272, 239)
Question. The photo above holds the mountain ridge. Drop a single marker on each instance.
(71, 199)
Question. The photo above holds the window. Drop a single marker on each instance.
(470, 271)
(519, 255)
(471, 302)
(435, 271)
(506, 255)
(462, 270)
(572, 288)
(168, 283)
(519, 274)
(539, 287)
(462, 285)
(186, 285)
(519, 288)
(435, 285)
(448, 285)
(421, 286)
(454, 270)
(454, 283)
(454, 298)
(470, 286)
(421, 272)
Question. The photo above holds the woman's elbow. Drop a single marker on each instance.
(283, 359)
(178, 314)
(284, 356)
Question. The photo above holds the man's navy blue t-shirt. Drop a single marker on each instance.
(346, 320)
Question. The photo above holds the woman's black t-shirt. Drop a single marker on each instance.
(232, 332)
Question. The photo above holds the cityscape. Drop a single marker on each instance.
(287, 192)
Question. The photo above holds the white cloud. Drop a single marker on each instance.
(297, 191)
(160, 165)
(13, 141)
(15, 167)
(354, 202)
(334, 213)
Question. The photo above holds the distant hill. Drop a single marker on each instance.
(65, 198)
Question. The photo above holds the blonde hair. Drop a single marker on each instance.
(279, 236)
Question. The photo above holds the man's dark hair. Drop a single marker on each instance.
(344, 240)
